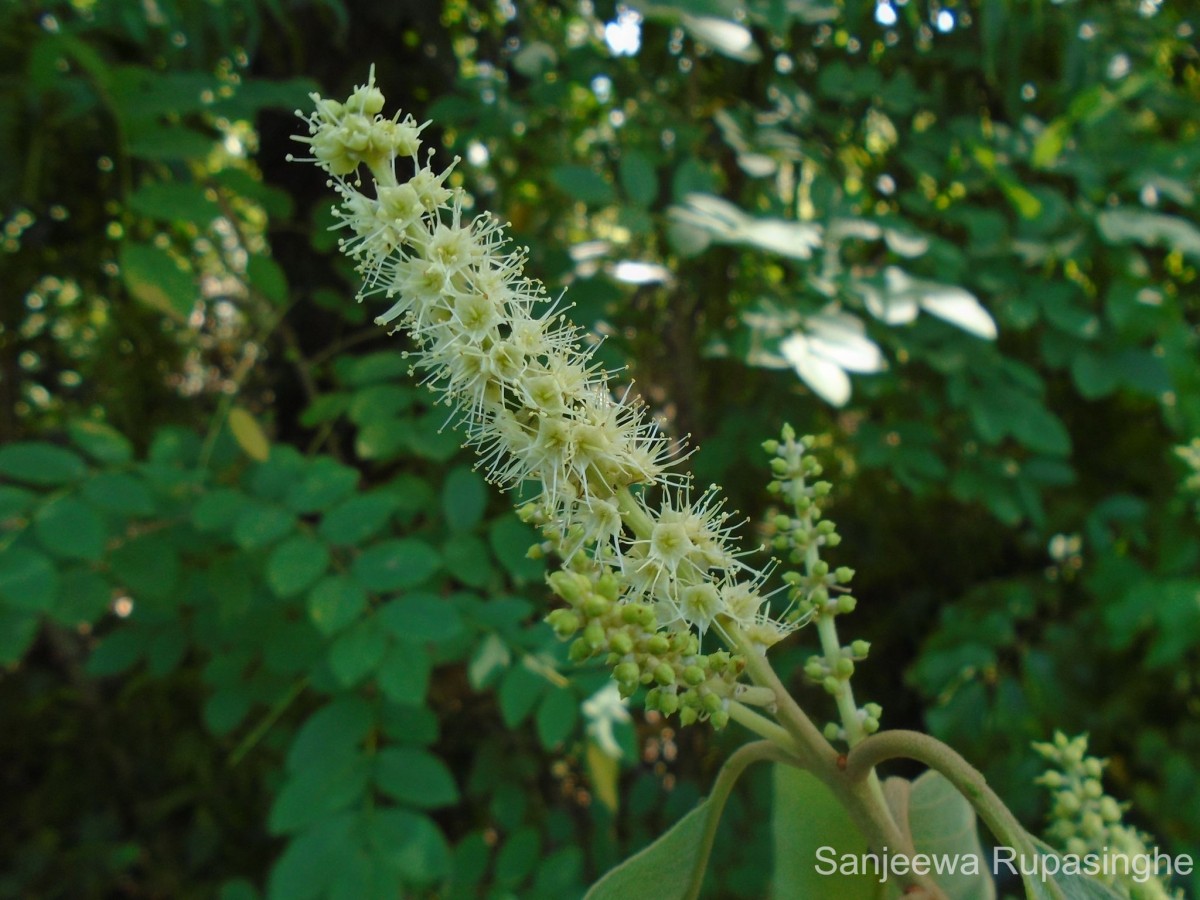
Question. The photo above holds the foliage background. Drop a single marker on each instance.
(264, 631)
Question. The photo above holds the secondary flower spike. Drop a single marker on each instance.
(529, 396)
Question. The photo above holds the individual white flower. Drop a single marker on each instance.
(832, 343)
(604, 710)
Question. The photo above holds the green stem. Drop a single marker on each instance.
(281, 705)
(969, 781)
(762, 726)
(831, 646)
(759, 751)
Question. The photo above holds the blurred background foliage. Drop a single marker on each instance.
(265, 632)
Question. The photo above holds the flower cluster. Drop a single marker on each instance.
(1084, 819)
(529, 396)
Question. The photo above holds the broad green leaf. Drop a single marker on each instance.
(148, 566)
(511, 539)
(40, 463)
(71, 529)
(120, 650)
(520, 690)
(259, 525)
(327, 482)
(218, 509)
(155, 278)
(583, 183)
(17, 630)
(404, 674)
(266, 276)
(335, 602)
(28, 580)
(173, 201)
(100, 441)
(411, 843)
(415, 777)
(334, 731)
(329, 785)
(464, 496)
(809, 826)
(84, 597)
(420, 617)
(468, 559)
(14, 501)
(384, 365)
(1071, 887)
(518, 856)
(394, 564)
(358, 518)
(120, 492)
(556, 717)
(942, 823)
(638, 178)
(357, 652)
(312, 861)
(295, 564)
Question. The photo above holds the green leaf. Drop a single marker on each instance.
(249, 434)
(556, 717)
(156, 142)
(411, 843)
(357, 653)
(258, 525)
(40, 463)
(101, 442)
(415, 777)
(155, 278)
(326, 483)
(394, 564)
(295, 564)
(71, 529)
(335, 602)
(17, 630)
(404, 674)
(174, 201)
(120, 492)
(638, 178)
(807, 816)
(511, 539)
(14, 501)
(266, 276)
(120, 650)
(468, 559)
(384, 365)
(464, 496)
(358, 518)
(520, 690)
(943, 825)
(148, 566)
(583, 183)
(313, 860)
(85, 597)
(314, 792)
(421, 617)
(518, 856)
(1072, 887)
(334, 731)
(218, 509)
(28, 581)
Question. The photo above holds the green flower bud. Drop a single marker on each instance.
(620, 642)
(688, 716)
(844, 574)
(815, 668)
(1110, 810)
(821, 488)
(774, 487)
(609, 587)
(771, 446)
(832, 685)
(846, 604)
(565, 622)
(594, 634)
(535, 551)
(668, 703)
(711, 703)
(782, 522)
(792, 578)
(627, 673)
(694, 675)
(664, 673)
(658, 645)
(874, 710)
(571, 586)
(860, 649)
(820, 569)
(832, 732)
(719, 719)
(596, 605)
(789, 433)
(844, 667)
(870, 725)
(580, 650)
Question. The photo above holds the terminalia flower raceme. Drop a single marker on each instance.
(648, 564)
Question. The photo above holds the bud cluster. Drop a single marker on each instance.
(680, 678)
(815, 590)
(1084, 819)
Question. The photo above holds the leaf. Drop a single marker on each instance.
(403, 675)
(410, 842)
(259, 524)
(334, 731)
(71, 529)
(807, 817)
(511, 539)
(1126, 225)
(119, 492)
(942, 823)
(28, 581)
(174, 201)
(1072, 887)
(17, 630)
(556, 717)
(415, 777)
(313, 860)
(468, 559)
(314, 792)
(464, 496)
(518, 856)
(101, 442)
(327, 482)
(394, 564)
(639, 181)
(583, 183)
(357, 653)
(155, 278)
(520, 690)
(40, 463)
(296, 564)
(358, 518)
(266, 276)
(421, 617)
(335, 602)
(249, 434)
